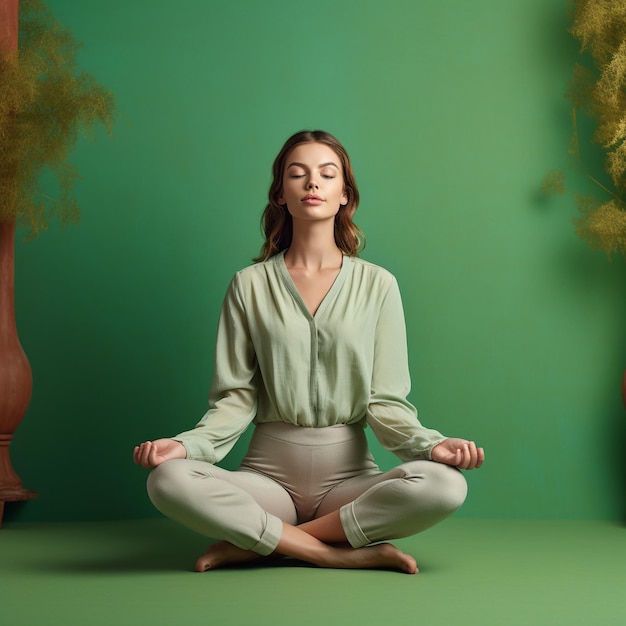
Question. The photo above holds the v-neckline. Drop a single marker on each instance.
(330, 294)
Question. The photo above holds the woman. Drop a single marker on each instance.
(311, 348)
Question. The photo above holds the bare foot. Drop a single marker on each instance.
(223, 553)
(379, 556)
(390, 556)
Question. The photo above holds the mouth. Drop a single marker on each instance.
(312, 198)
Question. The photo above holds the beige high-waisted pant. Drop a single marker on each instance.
(295, 474)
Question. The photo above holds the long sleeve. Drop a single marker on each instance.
(346, 364)
(390, 415)
(233, 394)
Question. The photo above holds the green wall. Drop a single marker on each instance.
(453, 112)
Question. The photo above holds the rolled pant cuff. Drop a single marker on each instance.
(270, 537)
(354, 533)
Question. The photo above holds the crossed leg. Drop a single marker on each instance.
(416, 495)
(315, 542)
(256, 517)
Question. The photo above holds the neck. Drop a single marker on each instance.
(313, 246)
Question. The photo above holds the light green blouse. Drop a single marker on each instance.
(346, 364)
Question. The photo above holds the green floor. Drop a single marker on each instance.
(472, 572)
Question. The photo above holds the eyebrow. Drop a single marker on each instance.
(296, 164)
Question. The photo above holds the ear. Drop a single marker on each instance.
(344, 199)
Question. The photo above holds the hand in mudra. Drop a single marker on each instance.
(459, 453)
(152, 453)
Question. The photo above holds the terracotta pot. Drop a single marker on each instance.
(15, 374)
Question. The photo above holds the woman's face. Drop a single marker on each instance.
(313, 186)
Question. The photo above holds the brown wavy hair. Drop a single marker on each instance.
(276, 222)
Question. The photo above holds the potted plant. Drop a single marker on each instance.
(598, 88)
(44, 104)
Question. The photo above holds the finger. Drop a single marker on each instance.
(481, 457)
(473, 453)
(458, 457)
(136, 455)
(464, 457)
(477, 454)
(144, 454)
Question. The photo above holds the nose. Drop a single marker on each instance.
(311, 184)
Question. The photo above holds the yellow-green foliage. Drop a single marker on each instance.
(602, 225)
(44, 105)
(600, 26)
(554, 182)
